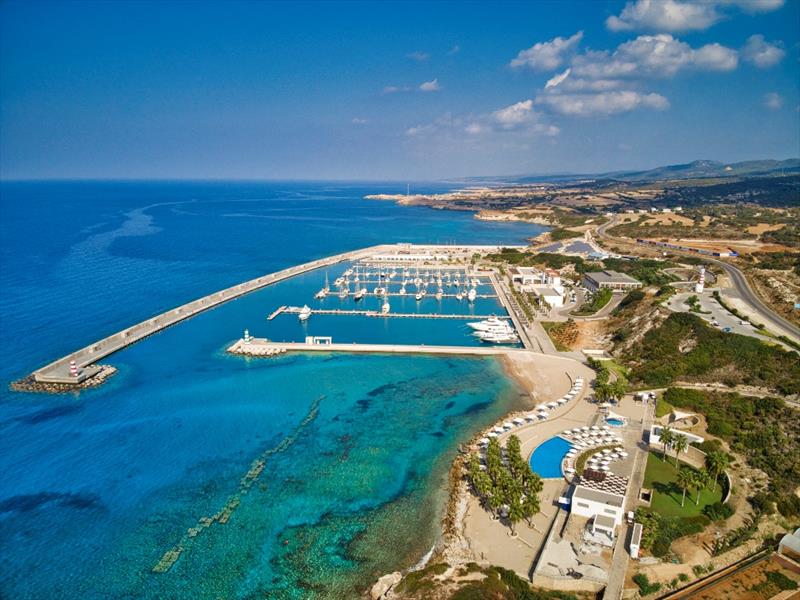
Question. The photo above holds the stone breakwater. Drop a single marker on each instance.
(248, 349)
(29, 383)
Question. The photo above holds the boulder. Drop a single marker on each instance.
(384, 584)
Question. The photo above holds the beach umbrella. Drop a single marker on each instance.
(552, 404)
(541, 406)
(606, 450)
(585, 428)
(623, 454)
(491, 434)
(518, 421)
(605, 468)
(498, 429)
(485, 440)
(570, 470)
(508, 425)
(595, 428)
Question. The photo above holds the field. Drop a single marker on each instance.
(660, 476)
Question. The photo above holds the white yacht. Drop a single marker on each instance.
(491, 323)
(403, 289)
(472, 294)
(419, 295)
(385, 308)
(304, 313)
(497, 338)
(379, 291)
(360, 293)
(459, 295)
(324, 291)
(344, 292)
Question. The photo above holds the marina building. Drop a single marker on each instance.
(612, 280)
(546, 284)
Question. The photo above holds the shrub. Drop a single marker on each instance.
(645, 587)
(718, 511)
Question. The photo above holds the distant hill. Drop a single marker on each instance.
(698, 169)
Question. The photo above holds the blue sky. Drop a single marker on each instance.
(392, 91)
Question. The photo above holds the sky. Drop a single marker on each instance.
(394, 91)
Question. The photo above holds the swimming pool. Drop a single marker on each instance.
(615, 422)
(546, 459)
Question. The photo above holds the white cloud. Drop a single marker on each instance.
(602, 103)
(430, 86)
(514, 115)
(773, 101)
(653, 56)
(557, 79)
(681, 15)
(664, 15)
(418, 56)
(546, 56)
(359, 121)
(761, 53)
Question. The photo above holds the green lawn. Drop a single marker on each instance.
(660, 477)
(663, 407)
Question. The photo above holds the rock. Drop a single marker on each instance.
(384, 584)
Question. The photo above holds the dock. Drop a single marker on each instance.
(58, 371)
(264, 347)
(276, 312)
(376, 313)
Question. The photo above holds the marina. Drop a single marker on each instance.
(372, 313)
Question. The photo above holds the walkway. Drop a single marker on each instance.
(58, 371)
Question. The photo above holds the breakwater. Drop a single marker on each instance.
(263, 347)
(59, 372)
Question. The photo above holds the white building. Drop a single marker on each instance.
(544, 284)
(604, 498)
(691, 438)
(636, 540)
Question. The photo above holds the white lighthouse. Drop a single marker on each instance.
(700, 285)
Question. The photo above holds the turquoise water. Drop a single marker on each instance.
(546, 458)
(97, 486)
(615, 422)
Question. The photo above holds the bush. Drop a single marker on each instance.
(718, 511)
(645, 587)
(781, 581)
(788, 505)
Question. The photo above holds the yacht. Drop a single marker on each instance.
(419, 295)
(379, 291)
(459, 295)
(491, 323)
(344, 292)
(339, 281)
(472, 294)
(360, 293)
(324, 291)
(304, 313)
(385, 308)
(439, 293)
(497, 338)
(403, 289)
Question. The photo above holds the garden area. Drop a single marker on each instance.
(661, 476)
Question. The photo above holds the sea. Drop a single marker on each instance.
(302, 476)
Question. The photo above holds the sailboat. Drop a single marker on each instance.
(385, 308)
(324, 291)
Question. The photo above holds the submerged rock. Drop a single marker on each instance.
(384, 585)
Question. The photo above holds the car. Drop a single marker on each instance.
(726, 329)
(630, 517)
(742, 322)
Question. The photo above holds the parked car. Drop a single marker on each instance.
(726, 329)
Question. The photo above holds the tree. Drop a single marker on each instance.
(685, 480)
(701, 480)
(515, 512)
(667, 437)
(717, 463)
(530, 502)
(618, 389)
(679, 444)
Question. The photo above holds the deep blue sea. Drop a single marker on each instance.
(347, 455)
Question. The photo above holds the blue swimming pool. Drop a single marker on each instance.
(615, 422)
(546, 459)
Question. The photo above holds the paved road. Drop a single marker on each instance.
(738, 280)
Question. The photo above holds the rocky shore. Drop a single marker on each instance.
(29, 384)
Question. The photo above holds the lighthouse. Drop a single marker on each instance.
(246, 336)
(698, 287)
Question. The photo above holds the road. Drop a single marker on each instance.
(739, 284)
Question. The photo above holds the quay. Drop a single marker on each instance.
(264, 347)
(376, 313)
(276, 312)
(58, 372)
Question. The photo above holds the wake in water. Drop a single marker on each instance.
(247, 481)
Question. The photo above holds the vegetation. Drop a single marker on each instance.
(502, 583)
(736, 537)
(631, 298)
(512, 486)
(764, 430)
(560, 233)
(645, 587)
(646, 270)
(670, 485)
(595, 302)
(683, 346)
(563, 334)
(663, 407)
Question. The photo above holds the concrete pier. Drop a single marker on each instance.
(376, 313)
(58, 371)
(262, 347)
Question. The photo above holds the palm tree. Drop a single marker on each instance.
(684, 479)
(701, 480)
(717, 463)
(515, 512)
(679, 444)
(619, 388)
(667, 437)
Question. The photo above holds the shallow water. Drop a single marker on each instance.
(98, 485)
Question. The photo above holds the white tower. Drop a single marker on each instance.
(698, 287)
(246, 336)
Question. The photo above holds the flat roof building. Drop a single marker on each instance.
(605, 498)
(612, 280)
